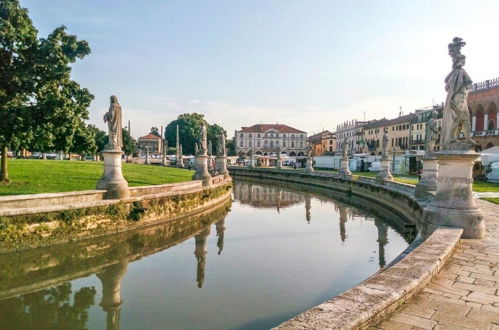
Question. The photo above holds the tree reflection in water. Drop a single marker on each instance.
(53, 308)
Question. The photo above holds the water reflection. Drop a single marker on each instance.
(277, 265)
(266, 196)
(111, 293)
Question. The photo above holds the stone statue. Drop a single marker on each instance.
(431, 132)
(344, 148)
(113, 119)
(210, 148)
(384, 143)
(220, 147)
(202, 146)
(309, 150)
(456, 118)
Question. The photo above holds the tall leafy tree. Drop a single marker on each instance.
(155, 131)
(100, 138)
(129, 143)
(40, 106)
(84, 141)
(190, 130)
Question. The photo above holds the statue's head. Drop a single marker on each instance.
(114, 99)
(460, 61)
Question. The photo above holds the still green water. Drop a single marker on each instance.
(274, 254)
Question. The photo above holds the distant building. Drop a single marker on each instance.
(417, 139)
(323, 143)
(151, 141)
(373, 135)
(352, 130)
(399, 132)
(264, 139)
(483, 101)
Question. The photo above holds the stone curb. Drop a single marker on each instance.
(373, 299)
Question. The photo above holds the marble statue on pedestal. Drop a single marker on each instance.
(221, 155)
(309, 165)
(112, 179)
(344, 148)
(344, 162)
(456, 118)
(201, 149)
(384, 173)
(279, 159)
(453, 203)
(384, 144)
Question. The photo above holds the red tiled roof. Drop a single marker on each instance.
(149, 137)
(262, 128)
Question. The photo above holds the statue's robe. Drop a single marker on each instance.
(114, 125)
(456, 82)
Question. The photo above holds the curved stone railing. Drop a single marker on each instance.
(44, 219)
(372, 300)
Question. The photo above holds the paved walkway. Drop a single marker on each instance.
(465, 295)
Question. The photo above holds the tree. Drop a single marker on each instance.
(129, 143)
(84, 141)
(100, 138)
(155, 131)
(40, 106)
(231, 147)
(190, 130)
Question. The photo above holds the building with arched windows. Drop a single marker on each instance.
(264, 139)
(483, 102)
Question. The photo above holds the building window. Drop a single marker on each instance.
(258, 135)
(241, 135)
(271, 143)
(241, 144)
(250, 144)
(258, 143)
(250, 135)
(292, 144)
(284, 143)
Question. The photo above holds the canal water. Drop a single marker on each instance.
(271, 254)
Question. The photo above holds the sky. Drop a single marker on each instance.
(310, 64)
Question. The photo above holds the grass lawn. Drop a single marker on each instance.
(33, 176)
(402, 178)
(485, 187)
(494, 200)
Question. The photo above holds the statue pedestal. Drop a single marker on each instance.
(344, 170)
(278, 164)
(221, 164)
(384, 173)
(453, 204)
(309, 167)
(210, 164)
(252, 163)
(112, 180)
(429, 175)
(180, 162)
(202, 170)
